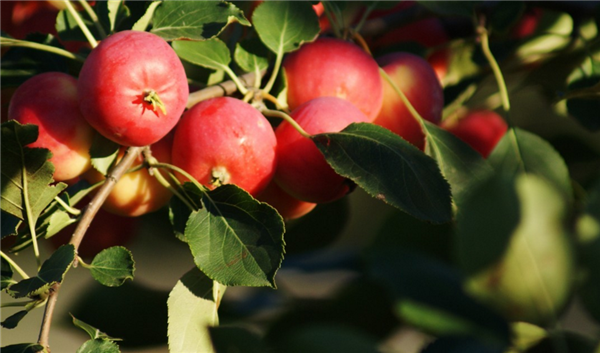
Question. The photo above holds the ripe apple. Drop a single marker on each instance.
(302, 170)
(138, 192)
(333, 67)
(288, 206)
(419, 83)
(480, 129)
(133, 88)
(49, 100)
(105, 231)
(226, 141)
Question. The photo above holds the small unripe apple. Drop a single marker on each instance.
(137, 193)
(226, 141)
(302, 170)
(336, 68)
(480, 129)
(288, 206)
(49, 100)
(419, 83)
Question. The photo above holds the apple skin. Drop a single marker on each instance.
(333, 67)
(480, 129)
(137, 193)
(226, 141)
(302, 170)
(105, 231)
(49, 100)
(115, 79)
(419, 83)
(288, 206)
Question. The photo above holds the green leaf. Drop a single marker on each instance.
(103, 153)
(390, 169)
(68, 29)
(179, 212)
(111, 13)
(212, 54)
(235, 239)
(533, 279)
(451, 8)
(251, 55)
(462, 166)
(113, 266)
(195, 20)
(57, 221)
(13, 320)
(284, 25)
(482, 234)
(25, 170)
(99, 346)
(9, 224)
(193, 305)
(52, 271)
(94, 333)
(533, 155)
(144, 21)
(24, 348)
(588, 236)
(7, 274)
(585, 104)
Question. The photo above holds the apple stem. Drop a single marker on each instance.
(288, 119)
(88, 9)
(86, 32)
(151, 97)
(404, 99)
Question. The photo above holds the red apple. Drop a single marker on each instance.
(49, 100)
(337, 68)
(226, 141)
(481, 129)
(419, 83)
(302, 170)
(288, 206)
(133, 88)
(138, 193)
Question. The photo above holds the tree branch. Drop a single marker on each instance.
(222, 89)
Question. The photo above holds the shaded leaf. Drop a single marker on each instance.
(212, 54)
(390, 169)
(9, 224)
(284, 25)
(25, 170)
(99, 346)
(179, 212)
(111, 14)
(460, 345)
(325, 339)
(13, 320)
(452, 8)
(195, 20)
(533, 155)
(462, 166)
(585, 105)
(235, 239)
(7, 274)
(94, 333)
(103, 153)
(52, 271)
(505, 14)
(113, 266)
(68, 29)
(193, 305)
(251, 55)
(24, 348)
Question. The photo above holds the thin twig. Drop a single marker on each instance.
(222, 89)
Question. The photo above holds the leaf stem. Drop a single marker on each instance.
(485, 47)
(88, 9)
(67, 208)
(10, 42)
(275, 72)
(14, 304)
(30, 220)
(243, 90)
(182, 172)
(271, 98)
(86, 32)
(288, 119)
(404, 99)
(14, 265)
(365, 14)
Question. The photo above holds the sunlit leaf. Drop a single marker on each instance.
(251, 55)
(193, 305)
(52, 271)
(390, 169)
(94, 333)
(284, 25)
(99, 346)
(113, 266)
(212, 54)
(103, 153)
(235, 239)
(195, 20)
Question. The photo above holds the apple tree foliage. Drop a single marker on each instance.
(477, 255)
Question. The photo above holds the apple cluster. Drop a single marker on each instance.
(133, 90)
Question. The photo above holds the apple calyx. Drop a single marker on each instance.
(219, 176)
(151, 97)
